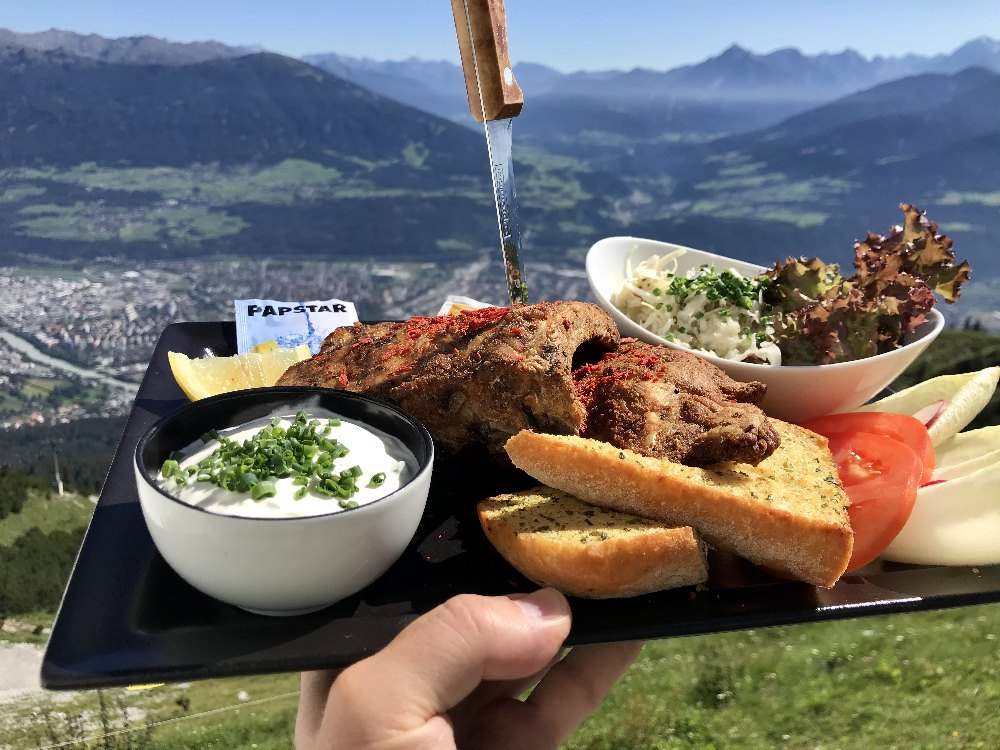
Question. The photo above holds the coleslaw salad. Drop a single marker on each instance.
(709, 310)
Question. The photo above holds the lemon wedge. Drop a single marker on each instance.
(200, 378)
(265, 346)
(965, 395)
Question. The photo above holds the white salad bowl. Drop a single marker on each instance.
(794, 393)
(281, 566)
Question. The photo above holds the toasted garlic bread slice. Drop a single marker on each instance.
(788, 513)
(556, 540)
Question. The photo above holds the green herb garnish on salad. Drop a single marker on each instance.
(707, 309)
(802, 311)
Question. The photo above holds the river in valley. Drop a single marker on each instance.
(31, 351)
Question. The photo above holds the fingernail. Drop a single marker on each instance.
(544, 604)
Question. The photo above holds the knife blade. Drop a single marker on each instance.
(495, 99)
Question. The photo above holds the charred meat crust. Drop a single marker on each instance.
(662, 402)
(478, 377)
(482, 376)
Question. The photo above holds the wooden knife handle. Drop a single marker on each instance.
(501, 96)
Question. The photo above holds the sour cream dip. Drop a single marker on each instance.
(381, 464)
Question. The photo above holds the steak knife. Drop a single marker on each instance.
(495, 99)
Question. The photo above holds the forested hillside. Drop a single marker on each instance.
(40, 534)
(84, 449)
(35, 568)
(14, 487)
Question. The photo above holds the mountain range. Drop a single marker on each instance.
(786, 76)
(133, 50)
(138, 146)
(62, 109)
(259, 155)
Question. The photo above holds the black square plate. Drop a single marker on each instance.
(127, 618)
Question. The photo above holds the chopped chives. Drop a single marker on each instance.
(254, 465)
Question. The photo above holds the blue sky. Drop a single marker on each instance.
(565, 34)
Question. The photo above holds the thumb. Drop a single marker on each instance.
(442, 656)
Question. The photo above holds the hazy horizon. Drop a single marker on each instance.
(605, 35)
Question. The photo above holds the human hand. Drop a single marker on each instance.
(452, 679)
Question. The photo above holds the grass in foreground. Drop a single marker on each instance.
(925, 680)
(915, 681)
(232, 713)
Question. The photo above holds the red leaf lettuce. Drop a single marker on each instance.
(821, 317)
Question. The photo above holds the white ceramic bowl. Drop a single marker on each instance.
(794, 394)
(280, 566)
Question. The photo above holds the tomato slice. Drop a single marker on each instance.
(901, 427)
(881, 476)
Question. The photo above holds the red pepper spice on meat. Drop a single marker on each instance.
(422, 330)
(587, 379)
(620, 390)
(396, 351)
(466, 323)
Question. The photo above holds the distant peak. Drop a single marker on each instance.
(735, 51)
(982, 42)
(786, 55)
